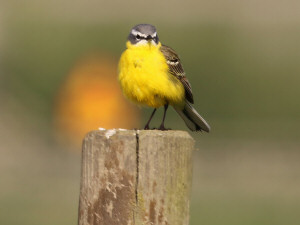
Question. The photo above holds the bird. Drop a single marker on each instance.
(151, 74)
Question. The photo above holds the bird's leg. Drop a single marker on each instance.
(162, 126)
(147, 125)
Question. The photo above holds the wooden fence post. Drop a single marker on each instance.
(136, 178)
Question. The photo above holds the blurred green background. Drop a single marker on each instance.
(243, 61)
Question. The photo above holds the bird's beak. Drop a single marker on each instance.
(149, 39)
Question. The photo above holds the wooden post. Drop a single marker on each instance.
(136, 178)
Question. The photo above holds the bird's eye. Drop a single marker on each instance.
(138, 36)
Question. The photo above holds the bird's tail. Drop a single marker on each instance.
(192, 118)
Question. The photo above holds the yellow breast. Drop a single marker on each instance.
(145, 79)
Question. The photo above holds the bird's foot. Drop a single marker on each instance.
(148, 128)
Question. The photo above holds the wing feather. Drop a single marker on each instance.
(176, 70)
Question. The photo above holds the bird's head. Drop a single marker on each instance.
(143, 34)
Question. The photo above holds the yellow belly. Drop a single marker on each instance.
(144, 77)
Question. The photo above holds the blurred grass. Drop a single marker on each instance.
(245, 82)
(246, 182)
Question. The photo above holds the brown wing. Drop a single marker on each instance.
(176, 69)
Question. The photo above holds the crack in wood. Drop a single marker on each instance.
(137, 167)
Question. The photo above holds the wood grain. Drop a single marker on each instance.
(135, 178)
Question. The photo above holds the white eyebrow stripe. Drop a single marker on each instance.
(135, 33)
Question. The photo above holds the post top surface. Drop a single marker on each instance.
(153, 133)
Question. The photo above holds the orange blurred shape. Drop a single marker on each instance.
(91, 98)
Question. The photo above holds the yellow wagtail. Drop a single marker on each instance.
(151, 74)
